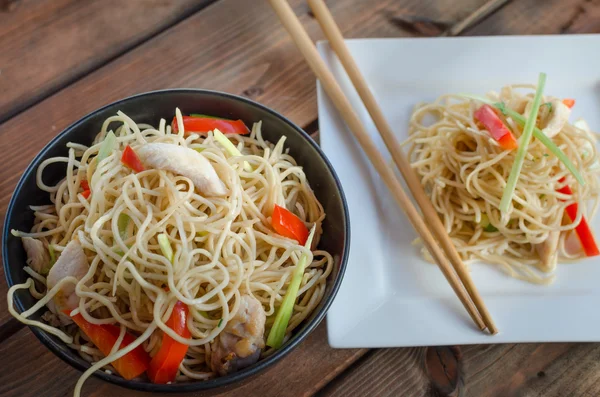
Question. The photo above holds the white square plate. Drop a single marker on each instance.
(392, 297)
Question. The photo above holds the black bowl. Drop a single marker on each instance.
(149, 108)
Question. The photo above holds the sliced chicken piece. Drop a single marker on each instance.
(548, 251)
(559, 116)
(72, 262)
(240, 343)
(183, 161)
(552, 118)
(38, 257)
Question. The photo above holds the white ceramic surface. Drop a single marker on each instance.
(392, 297)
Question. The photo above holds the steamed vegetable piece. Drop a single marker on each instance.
(130, 159)
(230, 147)
(537, 133)
(289, 225)
(165, 247)
(202, 124)
(122, 224)
(487, 226)
(569, 102)
(165, 364)
(106, 147)
(104, 337)
(509, 190)
(488, 117)
(583, 231)
(282, 319)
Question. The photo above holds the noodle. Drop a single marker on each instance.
(223, 246)
(464, 172)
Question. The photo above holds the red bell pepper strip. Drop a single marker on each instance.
(569, 102)
(586, 237)
(289, 225)
(204, 124)
(131, 160)
(104, 337)
(165, 364)
(490, 120)
(86, 189)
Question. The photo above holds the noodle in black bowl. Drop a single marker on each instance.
(149, 108)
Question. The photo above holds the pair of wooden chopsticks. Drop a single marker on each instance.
(457, 274)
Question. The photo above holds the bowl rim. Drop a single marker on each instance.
(211, 384)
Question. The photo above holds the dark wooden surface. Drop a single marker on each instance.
(60, 59)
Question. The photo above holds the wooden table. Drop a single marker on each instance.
(60, 59)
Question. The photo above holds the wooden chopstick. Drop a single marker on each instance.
(335, 93)
(336, 40)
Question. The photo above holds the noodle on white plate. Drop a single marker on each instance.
(223, 247)
(464, 171)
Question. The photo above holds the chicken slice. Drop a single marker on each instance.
(548, 251)
(559, 116)
(183, 161)
(240, 343)
(38, 257)
(72, 262)
(552, 118)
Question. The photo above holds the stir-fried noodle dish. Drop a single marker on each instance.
(174, 253)
(514, 181)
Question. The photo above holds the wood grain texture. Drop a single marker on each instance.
(219, 48)
(510, 370)
(47, 44)
(244, 51)
(36, 372)
(541, 17)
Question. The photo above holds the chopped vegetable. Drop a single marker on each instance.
(289, 225)
(569, 102)
(130, 159)
(122, 224)
(230, 147)
(490, 120)
(537, 133)
(165, 364)
(202, 124)
(206, 116)
(282, 318)
(104, 337)
(86, 189)
(107, 146)
(165, 247)
(586, 237)
(52, 254)
(548, 105)
(220, 322)
(513, 177)
(487, 226)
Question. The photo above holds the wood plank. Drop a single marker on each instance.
(219, 48)
(36, 372)
(47, 44)
(533, 17)
(550, 370)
